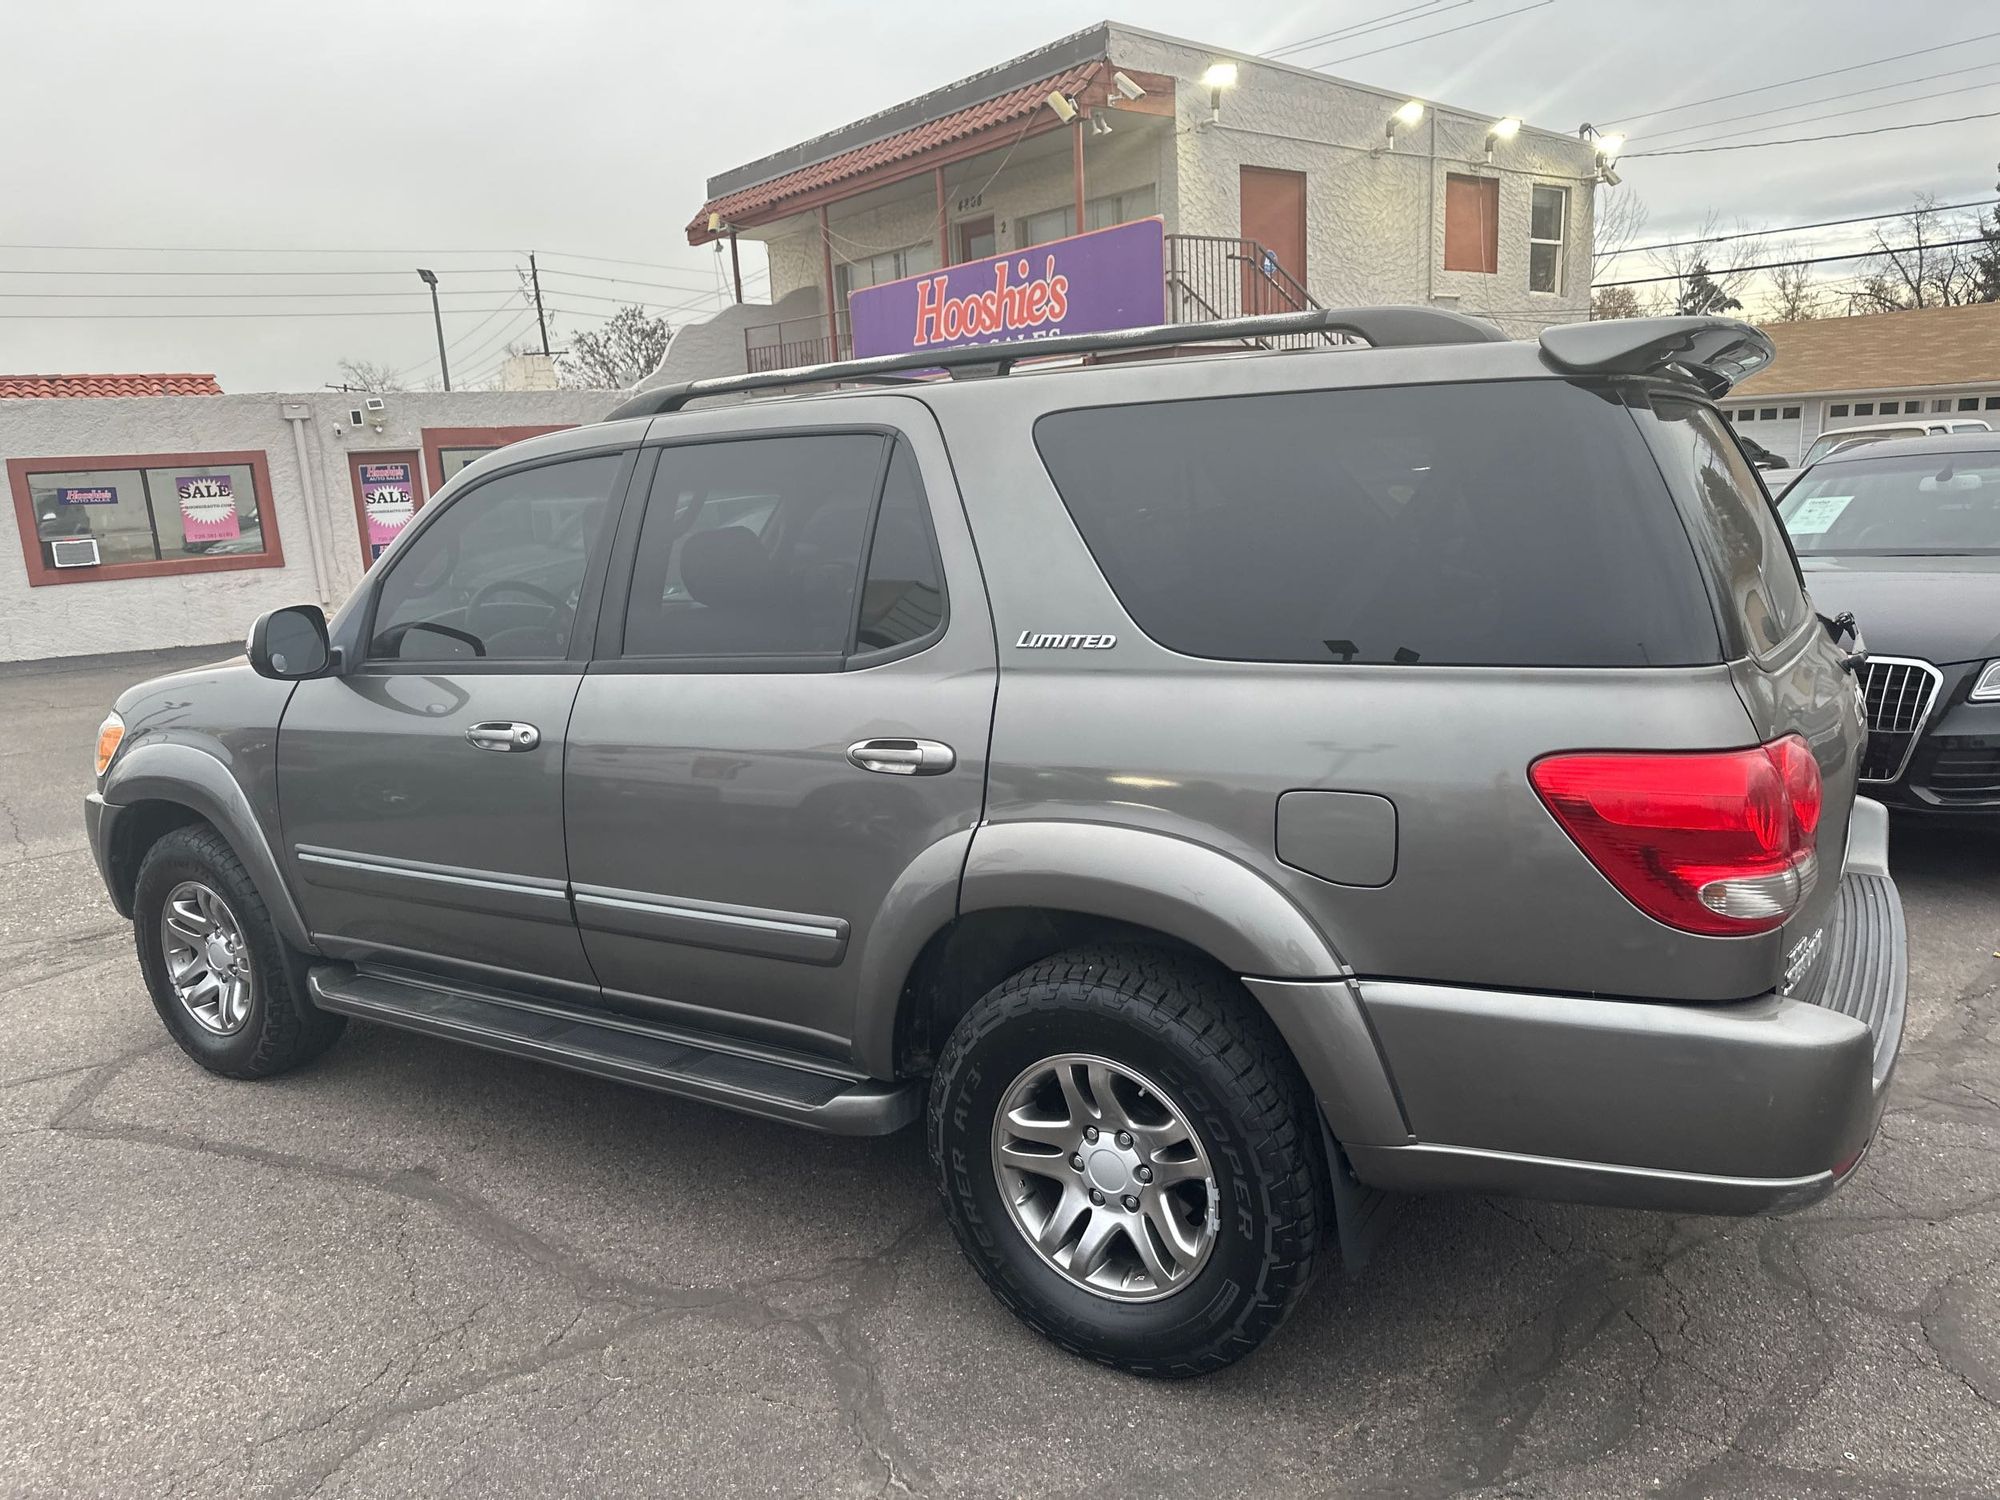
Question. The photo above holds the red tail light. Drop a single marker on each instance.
(1716, 842)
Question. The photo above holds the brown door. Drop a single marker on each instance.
(387, 492)
(975, 239)
(1274, 231)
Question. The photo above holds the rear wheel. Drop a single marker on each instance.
(231, 991)
(1130, 1158)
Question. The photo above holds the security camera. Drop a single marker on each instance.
(1064, 110)
(1127, 87)
(1608, 177)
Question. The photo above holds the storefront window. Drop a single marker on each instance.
(125, 517)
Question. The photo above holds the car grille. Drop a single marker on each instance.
(1971, 774)
(1898, 692)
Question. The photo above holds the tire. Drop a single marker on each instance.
(1212, 1063)
(266, 1027)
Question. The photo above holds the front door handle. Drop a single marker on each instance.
(503, 735)
(902, 757)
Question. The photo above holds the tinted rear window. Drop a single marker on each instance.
(1494, 524)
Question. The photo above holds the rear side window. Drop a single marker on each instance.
(1760, 577)
(1494, 524)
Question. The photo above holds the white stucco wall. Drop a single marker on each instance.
(1374, 218)
(203, 608)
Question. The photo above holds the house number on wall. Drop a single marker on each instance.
(967, 205)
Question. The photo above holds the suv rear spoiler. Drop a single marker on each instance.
(1714, 353)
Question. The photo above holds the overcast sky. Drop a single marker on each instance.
(460, 135)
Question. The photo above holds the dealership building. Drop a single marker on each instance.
(153, 510)
(1276, 188)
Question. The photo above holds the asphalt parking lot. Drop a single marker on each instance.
(414, 1269)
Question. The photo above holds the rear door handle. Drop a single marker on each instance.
(503, 735)
(902, 757)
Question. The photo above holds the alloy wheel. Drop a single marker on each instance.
(1105, 1178)
(208, 962)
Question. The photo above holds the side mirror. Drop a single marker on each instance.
(290, 644)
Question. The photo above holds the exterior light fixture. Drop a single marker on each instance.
(1608, 147)
(1502, 130)
(1407, 115)
(1100, 124)
(1220, 76)
(1061, 107)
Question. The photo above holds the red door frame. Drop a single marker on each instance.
(437, 439)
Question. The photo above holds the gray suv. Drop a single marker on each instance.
(1211, 792)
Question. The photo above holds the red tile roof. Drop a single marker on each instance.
(30, 386)
(1015, 104)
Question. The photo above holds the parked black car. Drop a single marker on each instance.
(1906, 535)
(1761, 456)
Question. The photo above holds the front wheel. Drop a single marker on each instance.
(229, 989)
(1131, 1159)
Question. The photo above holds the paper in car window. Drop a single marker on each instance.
(1817, 515)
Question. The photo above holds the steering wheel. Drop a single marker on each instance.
(556, 607)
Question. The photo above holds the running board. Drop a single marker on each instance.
(711, 1071)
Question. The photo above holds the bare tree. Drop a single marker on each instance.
(1616, 302)
(1916, 264)
(367, 375)
(620, 353)
(1795, 296)
(1710, 267)
(1620, 219)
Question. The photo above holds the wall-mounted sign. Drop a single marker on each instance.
(389, 497)
(208, 507)
(96, 494)
(1089, 283)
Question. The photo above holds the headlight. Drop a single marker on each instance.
(110, 735)
(1988, 686)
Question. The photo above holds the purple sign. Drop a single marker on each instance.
(1089, 283)
(97, 494)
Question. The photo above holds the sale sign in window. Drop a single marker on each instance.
(389, 498)
(208, 507)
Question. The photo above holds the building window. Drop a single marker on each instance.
(1098, 213)
(138, 515)
(449, 449)
(1864, 408)
(1472, 223)
(1791, 413)
(1992, 403)
(851, 276)
(1768, 414)
(1548, 217)
(1837, 410)
(1968, 403)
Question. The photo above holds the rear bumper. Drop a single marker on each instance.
(1741, 1108)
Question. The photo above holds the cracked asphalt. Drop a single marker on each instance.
(412, 1269)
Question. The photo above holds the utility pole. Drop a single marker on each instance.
(735, 268)
(429, 279)
(535, 278)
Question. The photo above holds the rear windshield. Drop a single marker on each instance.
(1758, 574)
(1495, 524)
(1915, 504)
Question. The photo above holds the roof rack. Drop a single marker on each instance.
(1381, 327)
(1715, 353)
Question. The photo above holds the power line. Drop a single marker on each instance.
(469, 291)
(1801, 140)
(1332, 62)
(1810, 260)
(1758, 114)
(1362, 28)
(1752, 234)
(1764, 88)
(380, 312)
(1837, 114)
(182, 271)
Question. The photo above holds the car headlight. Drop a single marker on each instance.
(1988, 685)
(110, 735)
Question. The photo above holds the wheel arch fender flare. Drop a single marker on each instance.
(197, 779)
(1202, 895)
